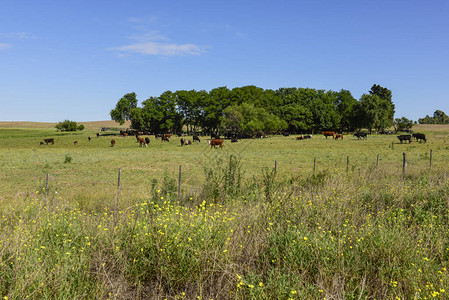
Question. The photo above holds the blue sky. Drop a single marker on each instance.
(75, 59)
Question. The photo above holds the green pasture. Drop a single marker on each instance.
(92, 167)
(237, 231)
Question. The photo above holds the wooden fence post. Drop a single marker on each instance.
(179, 182)
(118, 188)
(377, 163)
(275, 166)
(430, 159)
(46, 184)
(404, 163)
(314, 165)
(347, 164)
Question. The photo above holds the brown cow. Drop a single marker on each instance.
(75, 143)
(165, 138)
(142, 142)
(125, 134)
(216, 142)
(339, 136)
(329, 133)
(112, 143)
(89, 138)
(301, 137)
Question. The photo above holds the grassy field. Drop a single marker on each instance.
(237, 231)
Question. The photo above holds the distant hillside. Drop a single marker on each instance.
(92, 125)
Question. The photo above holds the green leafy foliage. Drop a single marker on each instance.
(249, 110)
(439, 117)
(68, 125)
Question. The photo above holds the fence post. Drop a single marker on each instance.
(179, 182)
(430, 159)
(404, 163)
(118, 188)
(377, 163)
(46, 183)
(314, 165)
(275, 166)
(347, 164)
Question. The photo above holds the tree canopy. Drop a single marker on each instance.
(68, 125)
(439, 117)
(249, 110)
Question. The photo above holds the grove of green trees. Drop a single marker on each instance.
(251, 110)
(439, 117)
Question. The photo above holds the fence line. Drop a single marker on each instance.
(404, 171)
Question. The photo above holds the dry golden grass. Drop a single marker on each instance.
(88, 125)
(436, 128)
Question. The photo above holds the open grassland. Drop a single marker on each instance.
(237, 231)
(93, 125)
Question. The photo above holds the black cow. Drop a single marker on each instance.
(360, 135)
(419, 136)
(52, 141)
(196, 138)
(147, 140)
(405, 137)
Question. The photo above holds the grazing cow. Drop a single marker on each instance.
(419, 136)
(286, 134)
(112, 143)
(405, 137)
(89, 138)
(182, 141)
(196, 138)
(165, 138)
(52, 141)
(75, 143)
(329, 133)
(142, 142)
(125, 134)
(301, 137)
(41, 143)
(308, 136)
(147, 140)
(339, 136)
(234, 140)
(98, 134)
(216, 142)
(360, 135)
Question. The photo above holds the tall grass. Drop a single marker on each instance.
(365, 234)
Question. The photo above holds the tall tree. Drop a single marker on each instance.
(345, 106)
(122, 111)
(386, 95)
(375, 112)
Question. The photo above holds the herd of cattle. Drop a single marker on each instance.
(217, 141)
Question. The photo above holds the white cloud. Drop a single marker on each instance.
(164, 49)
(152, 42)
(149, 36)
(17, 35)
(4, 46)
